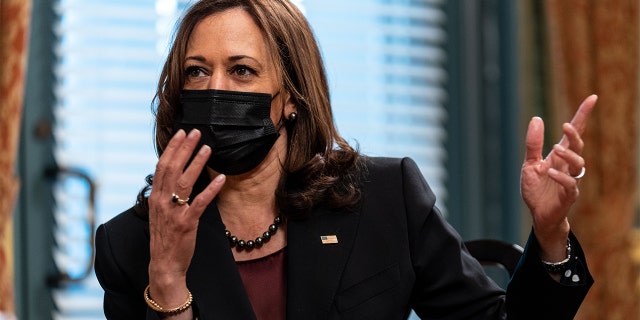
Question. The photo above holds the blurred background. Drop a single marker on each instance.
(450, 83)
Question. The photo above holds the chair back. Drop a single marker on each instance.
(495, 253)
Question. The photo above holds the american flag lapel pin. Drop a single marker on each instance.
(329, 239)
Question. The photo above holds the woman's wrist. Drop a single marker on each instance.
(557, 266)
(552, 241)
(168, 289)
(554, 252)
(168, 297)
(167, 309)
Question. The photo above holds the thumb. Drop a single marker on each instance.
(534, 140)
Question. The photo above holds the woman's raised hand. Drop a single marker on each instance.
(173, 220)
(549, 186)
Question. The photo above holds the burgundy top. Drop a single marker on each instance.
(266, 284)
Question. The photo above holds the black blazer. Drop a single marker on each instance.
(394, 254)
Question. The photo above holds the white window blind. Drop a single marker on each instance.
(385, 65)
(109, 57)
(385, 61)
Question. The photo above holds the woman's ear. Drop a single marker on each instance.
(290, 109)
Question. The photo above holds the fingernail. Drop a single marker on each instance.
(205, 149)
(179, 132)
(193, 133)
(558, 148)
(553, 171)
(219, 178)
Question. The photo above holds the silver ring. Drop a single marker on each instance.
(176, 199)
(581, 174)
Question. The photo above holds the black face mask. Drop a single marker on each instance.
(236, 125)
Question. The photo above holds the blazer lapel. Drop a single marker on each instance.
(213, 276)
(314, 268)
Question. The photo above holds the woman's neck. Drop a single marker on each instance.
(243, 199)
(247, 212)
(247, 205)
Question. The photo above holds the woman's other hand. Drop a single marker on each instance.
(173, 220)
(549, 185)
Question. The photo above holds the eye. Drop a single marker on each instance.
(194, 72)
(242, 71)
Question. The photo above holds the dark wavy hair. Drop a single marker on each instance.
(321, 168)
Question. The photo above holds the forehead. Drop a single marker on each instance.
(230, 32)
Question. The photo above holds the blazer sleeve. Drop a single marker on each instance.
(120, 300)
(533, 294)
(121, 264)
(451, 284)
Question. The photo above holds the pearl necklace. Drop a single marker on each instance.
(251, 244)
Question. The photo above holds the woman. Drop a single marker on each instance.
(259, 209)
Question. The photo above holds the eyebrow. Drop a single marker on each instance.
(232, 59)
(240, 57)
(197, 58)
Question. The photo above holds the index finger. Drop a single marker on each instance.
(579, 121)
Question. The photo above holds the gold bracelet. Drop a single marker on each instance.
(156, 307)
